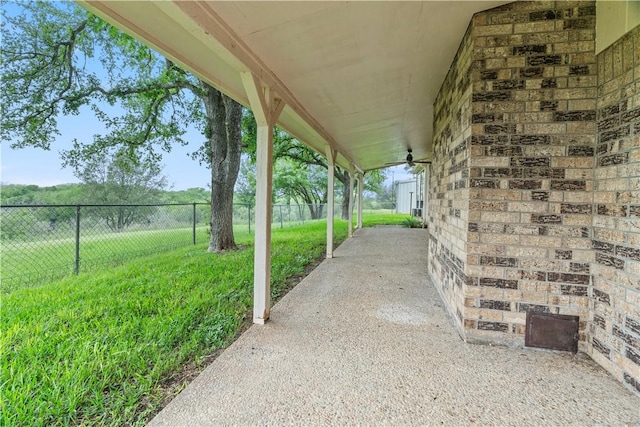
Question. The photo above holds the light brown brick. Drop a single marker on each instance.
(577, 197)
(526, 207)
(581, 104)
(573, 162)
(581, 127)
(540, 241)
(582, 81)
(492, 30)
(528, 252)
(534, 27)
(546, 128)
(500, 239)
(507, 217)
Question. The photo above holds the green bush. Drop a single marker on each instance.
(412, 222)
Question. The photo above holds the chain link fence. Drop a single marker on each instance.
(39, 243)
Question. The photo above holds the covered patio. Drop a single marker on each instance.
(355, 81)
(365, 340)
(529, 115)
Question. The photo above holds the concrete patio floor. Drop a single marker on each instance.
(364, 339)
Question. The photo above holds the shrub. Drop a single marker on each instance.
(412, 222)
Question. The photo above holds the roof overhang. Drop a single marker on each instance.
(360, 77)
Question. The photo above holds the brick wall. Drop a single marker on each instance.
(615, 303)
(522, 179)
(449, 193)
(534, 111)
(535, 192)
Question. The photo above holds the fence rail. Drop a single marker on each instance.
(39, 243)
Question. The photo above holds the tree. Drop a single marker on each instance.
(50, 57)
(308, 184)
(116, 179)
(245, 191)
(16, 194)
(291, 183)
(304, 157)
(286, 146)
(386, 195)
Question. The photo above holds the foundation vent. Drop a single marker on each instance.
(552, 331)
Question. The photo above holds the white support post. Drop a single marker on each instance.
(425, 194)
(331, 161)
(360, 187)
(351, 178)
(266, 109)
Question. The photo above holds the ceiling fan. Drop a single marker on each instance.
(409, 160)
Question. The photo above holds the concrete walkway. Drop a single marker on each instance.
(364, 339)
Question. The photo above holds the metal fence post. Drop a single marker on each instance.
(193, 217)
(76, 268)
(281, 225)
(194, 223)
(249, 208)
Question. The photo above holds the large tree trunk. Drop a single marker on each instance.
(346, 197)
(344, 178)
(224, 117)
(316, 210)
(312, 210)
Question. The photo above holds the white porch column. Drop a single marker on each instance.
(266, 109)
(360, 186)
(425, 194)
(331, 161)
(351, 178)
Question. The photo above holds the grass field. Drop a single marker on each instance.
(93, 349)
(33, 263)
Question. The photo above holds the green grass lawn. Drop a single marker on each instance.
(34, 263)
(92, 349)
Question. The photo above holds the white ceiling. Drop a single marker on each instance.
(359, 76)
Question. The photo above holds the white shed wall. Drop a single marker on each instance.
(404, 199)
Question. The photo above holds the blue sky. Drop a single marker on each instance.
(44, 168)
